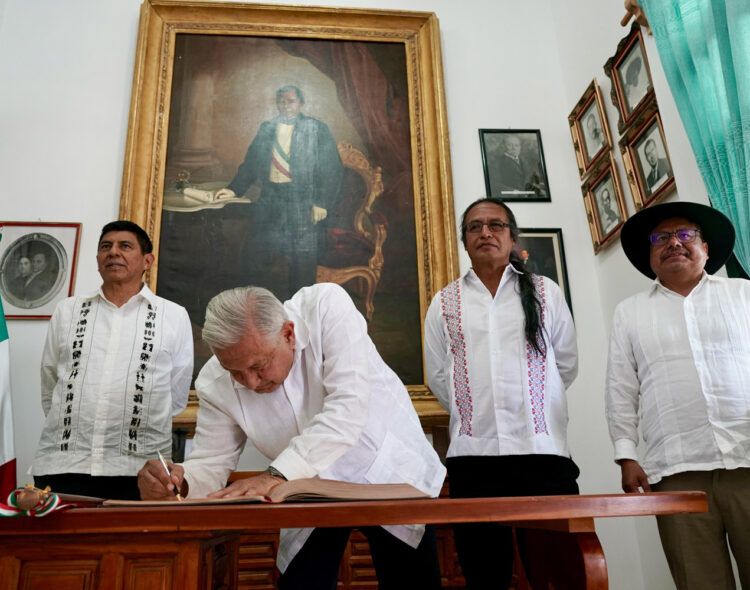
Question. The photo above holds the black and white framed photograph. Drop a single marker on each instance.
(589, 128)
(630, 75)
(542, 251)
(592, 131)
(646, 158)
(513, 161)
(37, 266)
(653, 161)
(605, 206)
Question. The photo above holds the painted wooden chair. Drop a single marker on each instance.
(357, 253)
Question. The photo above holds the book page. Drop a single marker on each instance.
(300, 490)
(186, 501)
(329, 489)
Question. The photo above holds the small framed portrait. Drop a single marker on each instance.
(589, 128)
(513, 162)
(630, 75)
(605, 207)
(37, 266)
(543, 253)
(646, 159)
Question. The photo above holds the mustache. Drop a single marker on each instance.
(674, 250)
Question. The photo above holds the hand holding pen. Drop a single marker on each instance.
(169, 474)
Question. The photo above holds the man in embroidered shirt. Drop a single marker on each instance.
(500, 351)
(303, 383)
(116, 367)
(296, 159)
(679, 368)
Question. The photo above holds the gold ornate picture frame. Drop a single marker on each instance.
(646, 158)
(630, 74)
(589, 129)
(170, 34)
(604, 202)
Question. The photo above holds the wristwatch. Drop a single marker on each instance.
(273, 472)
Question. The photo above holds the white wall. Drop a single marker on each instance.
(66, 70)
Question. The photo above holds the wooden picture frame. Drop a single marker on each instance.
(646, 158)
(513, 163)
(589, 129)
(37, 267)
(543, 253)
(630, 75)
(425, 258)
(599, 191)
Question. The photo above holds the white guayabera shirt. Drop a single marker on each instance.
(340, 414)
(679, 367)
(503, 397)
(112, 378)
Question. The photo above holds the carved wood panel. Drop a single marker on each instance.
(68, 575)
(124, 562)
(146, 574)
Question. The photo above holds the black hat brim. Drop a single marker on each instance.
(716, 230)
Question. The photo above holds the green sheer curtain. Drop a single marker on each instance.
(704, 47)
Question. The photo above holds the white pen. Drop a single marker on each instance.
(163, 462)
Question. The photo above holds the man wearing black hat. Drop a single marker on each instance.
(679, 368)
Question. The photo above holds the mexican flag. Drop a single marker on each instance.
(7, 454)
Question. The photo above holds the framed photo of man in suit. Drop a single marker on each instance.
(513, 161)
(590, 130)
(605, 207)
(646, 158)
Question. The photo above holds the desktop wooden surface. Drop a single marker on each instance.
(195, 547)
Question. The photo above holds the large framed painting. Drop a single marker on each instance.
(37, 267)
(283, 145)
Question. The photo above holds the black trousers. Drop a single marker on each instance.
(485, 550)
(114, 487)
(397, 565)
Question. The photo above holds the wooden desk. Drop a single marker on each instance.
(195, 548)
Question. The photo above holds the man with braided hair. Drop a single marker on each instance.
(500, 351)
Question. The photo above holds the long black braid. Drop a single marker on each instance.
(532, 307)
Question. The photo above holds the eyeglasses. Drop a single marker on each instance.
(495, 226)
(685, 236)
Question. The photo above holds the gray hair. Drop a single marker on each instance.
(231, 313)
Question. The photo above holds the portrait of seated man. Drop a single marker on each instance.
(513, 165)
(296, 160)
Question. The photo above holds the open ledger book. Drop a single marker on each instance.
(301, 490)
